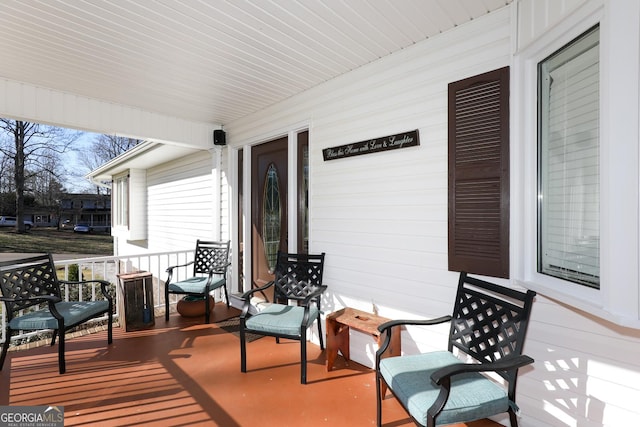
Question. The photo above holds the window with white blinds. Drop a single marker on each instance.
(568, 162)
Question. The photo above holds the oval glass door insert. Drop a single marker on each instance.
(271, 217)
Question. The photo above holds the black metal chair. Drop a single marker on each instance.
(210, 264)
(487, 333)
(298, 277)
(33, 300)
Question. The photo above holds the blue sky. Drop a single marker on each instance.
(74, 181)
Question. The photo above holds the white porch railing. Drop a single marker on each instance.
(108, 268)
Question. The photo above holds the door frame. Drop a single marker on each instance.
(270, 154)
(242, 227)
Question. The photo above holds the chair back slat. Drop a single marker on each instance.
(210, 256)
(489, 321)
(297, 275)
(29, 277)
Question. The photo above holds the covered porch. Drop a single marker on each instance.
(176, 73)
(185, 372)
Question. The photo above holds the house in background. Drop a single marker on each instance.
(322, 169)
(91, 209)
(73, 208)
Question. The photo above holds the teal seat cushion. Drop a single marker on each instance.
(281, 319)
(72, 311)
(195, 285)
(473, 396)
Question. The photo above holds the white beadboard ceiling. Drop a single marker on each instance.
(210, 60)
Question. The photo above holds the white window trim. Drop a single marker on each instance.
(117, 205)
(618, 299)
(136, 227)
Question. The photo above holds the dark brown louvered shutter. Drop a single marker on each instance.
(479, 174)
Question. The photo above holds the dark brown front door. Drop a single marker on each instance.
(268, 207)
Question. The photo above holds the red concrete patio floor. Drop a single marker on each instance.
(187, 373)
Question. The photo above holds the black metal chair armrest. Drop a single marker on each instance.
(387, 326)
(54, 311)
(170, 268)
(505, 364)
(51, 300)
(103, 285)
(81, 282)
(413, 322)
(246, 297)
(305, 316)
(42, 298)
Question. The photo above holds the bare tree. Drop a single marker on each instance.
(105, 148)
(46, 187)
(33, 151)
(7, 181)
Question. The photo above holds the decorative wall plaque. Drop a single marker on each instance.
(392, 142)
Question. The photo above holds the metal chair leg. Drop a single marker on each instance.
(207, 307)
(5, 348)
(61, 362)
(166, 302)
(378, 400)
(110, 328)
(320, 337)
(243, 348)
(303, 356)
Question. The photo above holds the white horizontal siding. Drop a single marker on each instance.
(180, 202)
(584, 367)
(537, 16)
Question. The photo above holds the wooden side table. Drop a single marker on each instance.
(338, 324)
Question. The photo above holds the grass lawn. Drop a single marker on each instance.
(46, 239)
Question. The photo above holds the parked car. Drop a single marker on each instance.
(82, 228)
(10, 221)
